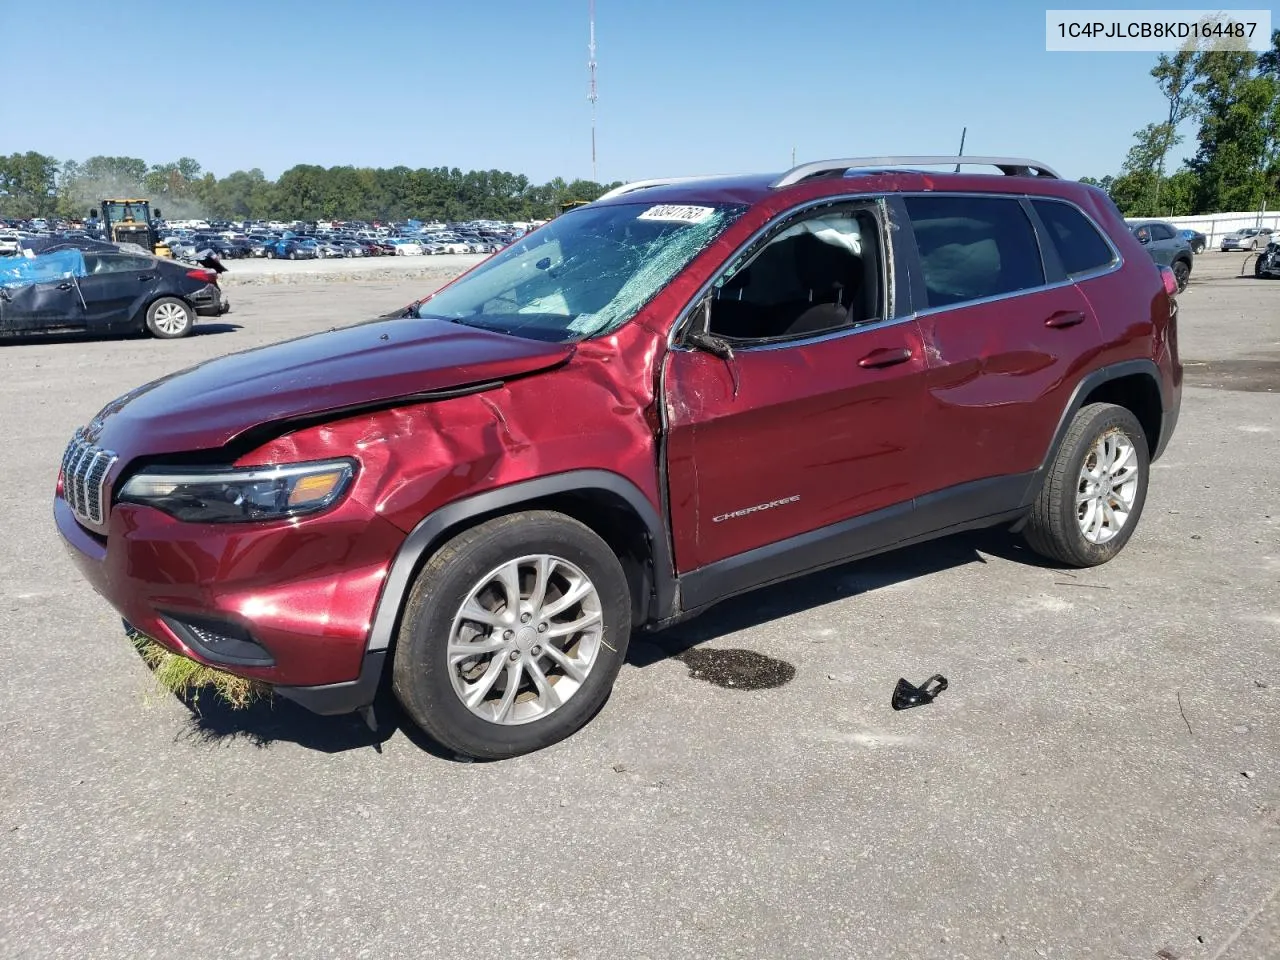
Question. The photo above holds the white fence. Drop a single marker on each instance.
(1215, 225)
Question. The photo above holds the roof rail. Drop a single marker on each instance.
(642, 185)
(1009, 166)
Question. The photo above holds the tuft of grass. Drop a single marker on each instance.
(186, 679)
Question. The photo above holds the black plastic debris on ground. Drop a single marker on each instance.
(737, 669)
(906, 695)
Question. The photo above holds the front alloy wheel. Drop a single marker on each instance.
(512, 635)
(525, 639)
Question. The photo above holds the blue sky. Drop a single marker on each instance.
(685, 86)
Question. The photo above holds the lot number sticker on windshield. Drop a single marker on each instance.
(677, 213)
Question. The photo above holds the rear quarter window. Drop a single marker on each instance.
(1080, 246)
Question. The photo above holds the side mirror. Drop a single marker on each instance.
(699, 334)
(94, 213)
(157, 214)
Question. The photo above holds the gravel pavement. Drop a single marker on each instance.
(1101, 779)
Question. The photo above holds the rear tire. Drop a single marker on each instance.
(1068, 522)
(504, 720)
(1182, 273)
(170, 318)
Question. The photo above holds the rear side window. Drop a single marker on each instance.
(1161, 232)
(974, 247)
(107, 263)
(1080, 247)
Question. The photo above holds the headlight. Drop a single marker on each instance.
(201, 495)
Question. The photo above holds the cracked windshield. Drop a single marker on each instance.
(584, 274)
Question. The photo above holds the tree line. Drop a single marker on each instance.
(1234, 99)
(35, 185)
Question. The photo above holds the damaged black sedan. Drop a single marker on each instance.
(104, 291)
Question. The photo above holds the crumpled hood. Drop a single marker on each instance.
(208, 405)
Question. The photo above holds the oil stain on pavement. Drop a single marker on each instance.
(737, 669)
(1249, 376)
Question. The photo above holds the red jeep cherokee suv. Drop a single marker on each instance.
(670, 396)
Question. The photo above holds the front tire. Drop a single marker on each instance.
(1094, 491)
(513, 635)
(170, 318)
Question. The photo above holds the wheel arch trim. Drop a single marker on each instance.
(429, 531)
(1091, 381)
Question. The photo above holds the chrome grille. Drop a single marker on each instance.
(84, 477)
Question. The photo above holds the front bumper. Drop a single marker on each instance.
(304, 591)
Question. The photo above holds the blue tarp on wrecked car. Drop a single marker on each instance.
(46, 267)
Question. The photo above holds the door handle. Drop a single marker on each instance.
(145, 279)
(885, 357)
(1065, 318)
(64, 286)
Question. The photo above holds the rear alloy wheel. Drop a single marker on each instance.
(1094, 491)
(513, 635)
(170, 318)
(1181, 273)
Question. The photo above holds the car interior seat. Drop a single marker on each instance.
(832, 277)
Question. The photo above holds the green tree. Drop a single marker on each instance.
(1175, 76)
(1234, 106)
(28, 185)
(1178, 196)
(83, 186)
(1142, 170)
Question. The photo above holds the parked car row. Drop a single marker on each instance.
(295, 246)
(1176, 249)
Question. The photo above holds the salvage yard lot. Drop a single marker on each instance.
(1101, 778)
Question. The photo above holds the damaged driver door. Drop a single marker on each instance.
(50, 305)
(794, 402)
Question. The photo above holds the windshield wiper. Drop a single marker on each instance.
(432, 316)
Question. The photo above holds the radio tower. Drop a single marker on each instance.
(591, 88)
